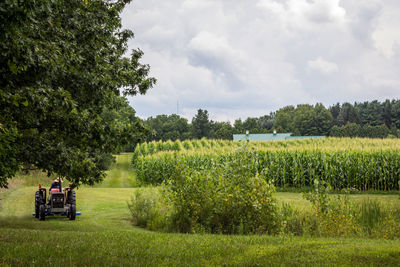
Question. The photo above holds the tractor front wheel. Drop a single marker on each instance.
(72, 212)
(42, 212)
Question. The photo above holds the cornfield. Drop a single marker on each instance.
(362, 164)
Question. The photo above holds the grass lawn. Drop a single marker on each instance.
(121, 173)
(103, 235)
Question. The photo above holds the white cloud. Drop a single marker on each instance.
(247, 58)
(304, 13)
(387, 33)
(322, 66)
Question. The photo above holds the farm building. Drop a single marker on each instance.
(270, 137)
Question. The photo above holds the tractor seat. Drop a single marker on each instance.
(54, 190)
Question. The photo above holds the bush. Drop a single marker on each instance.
(228, 199)
(370, 214)
(148, 210)
(335, 217)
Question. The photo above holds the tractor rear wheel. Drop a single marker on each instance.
(42, 212)
(37, 212)
(71, 197)
(72, 212)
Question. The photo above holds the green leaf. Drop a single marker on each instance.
(12, 67)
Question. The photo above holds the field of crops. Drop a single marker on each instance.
(359, 164)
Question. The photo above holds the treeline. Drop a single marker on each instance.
(368, 119)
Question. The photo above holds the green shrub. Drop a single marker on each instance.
(319, 196)
(370, 214)
(148, 210)
(227, 199)
(334, 217)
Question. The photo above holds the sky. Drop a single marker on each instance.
(240, 59)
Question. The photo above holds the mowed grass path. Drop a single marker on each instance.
(121, 173)
(103, 235)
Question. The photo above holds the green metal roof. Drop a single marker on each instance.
(270, 137)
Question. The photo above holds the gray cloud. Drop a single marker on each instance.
(247, 58)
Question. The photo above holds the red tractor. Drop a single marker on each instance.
(61, 201)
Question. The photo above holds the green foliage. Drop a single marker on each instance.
(355, 130)
(104, 161)
(370, 214)
(8, 153)
(200, 124)
(369, 119)
(348, 114)
(60, 87)
(221, 130)
(319, 196)
(148, 210)
(171, 127)
(304, 120)
(229, 199)
(338, 217)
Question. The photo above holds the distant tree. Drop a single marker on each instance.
(284, 119)
(335, 110)
(200, 124)
(324, 120)
(352, 129)
(221, 130)
(348, 113)
(370, 131)
(238, 127)
(305, 120)
(387, 113)
(170, 127)
(337, 131)
(251, 125)
(267, 122)
(394, 132)
(362, 109)
(356, 130)
(375, 113)
(396, 113)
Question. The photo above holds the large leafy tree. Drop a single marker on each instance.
(62, 64)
